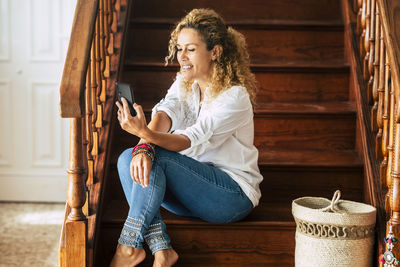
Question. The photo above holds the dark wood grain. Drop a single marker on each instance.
(365, 139)
(265, 45)
(288, 85)
(261, 9)
(304, 132)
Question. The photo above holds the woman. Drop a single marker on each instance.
(196, 157)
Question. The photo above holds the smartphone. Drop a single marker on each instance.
(126, 91)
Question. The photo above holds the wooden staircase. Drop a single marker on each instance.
(305, 124)
(327, 118)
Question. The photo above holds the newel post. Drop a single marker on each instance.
(76, 224)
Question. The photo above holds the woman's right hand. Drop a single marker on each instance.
(140, 169)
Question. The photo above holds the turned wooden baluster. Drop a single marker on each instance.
(395, 200)
(89, 129)
(85, 143)
(372, 37)
(367, 42)
(363, 27)
(76, 172)
(98, 75)
(93, 83)
(76, 223)
(106, 32)
(374, 65)
(388, 204)
(102, 33)
(385, 121)
(102, 92)
(358, 9)
(111, 26)
(380, 90)
(114, 26)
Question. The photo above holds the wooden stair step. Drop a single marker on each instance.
(312, 173)
(268, 66)
(292, 174)
(264, 214)
(260, 9)
(291, 108)
(305, 108)
(309, 158)
(305, 126)
(291, 127)
(212, 246)
(208, 243)
(265, 44)
(277, 83)
(249, 23)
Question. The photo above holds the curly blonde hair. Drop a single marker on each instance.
(232, 67)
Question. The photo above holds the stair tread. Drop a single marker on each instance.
(291, 108)
(311, 158)
(337, 24)
(311, 66)
(305, 108)
(308, 10)
(263, 215)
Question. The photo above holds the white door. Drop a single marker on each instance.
(34, 38)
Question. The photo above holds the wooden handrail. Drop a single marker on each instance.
(72, 103)
(390, 20)
(390, 15)
(378, 29)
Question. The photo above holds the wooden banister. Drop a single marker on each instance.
(72, 86)
(378, 30)
(389, 10)
(90, 70)
(390, 20)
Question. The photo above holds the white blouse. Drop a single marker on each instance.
(221, 131)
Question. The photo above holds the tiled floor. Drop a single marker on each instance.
(29, 234)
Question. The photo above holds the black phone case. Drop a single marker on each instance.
(125, 90)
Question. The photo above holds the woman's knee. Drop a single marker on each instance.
(162, 154)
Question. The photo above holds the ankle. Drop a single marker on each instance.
(127, 256)
(165, 257)
(129, 252)
(126, 251)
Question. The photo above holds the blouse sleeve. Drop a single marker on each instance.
(171, 105)
(228, 112)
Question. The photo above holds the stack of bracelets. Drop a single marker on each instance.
(144, 148)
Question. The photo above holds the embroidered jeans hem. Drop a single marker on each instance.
(155, 238)
(130, 234)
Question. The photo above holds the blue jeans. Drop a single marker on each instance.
(183, 186)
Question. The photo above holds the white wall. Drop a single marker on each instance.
(33, 138)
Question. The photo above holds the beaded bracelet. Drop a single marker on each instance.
(144, 148)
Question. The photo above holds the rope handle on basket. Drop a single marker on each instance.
(332, 207)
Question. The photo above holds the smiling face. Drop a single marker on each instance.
(193, 57)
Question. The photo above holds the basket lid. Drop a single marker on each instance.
(336, 211)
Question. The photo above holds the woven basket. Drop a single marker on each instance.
(333, 233)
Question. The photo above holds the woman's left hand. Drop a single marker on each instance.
(135, 125)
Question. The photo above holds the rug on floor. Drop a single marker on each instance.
(29, 234)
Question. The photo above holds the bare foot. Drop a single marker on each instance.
(127, 257)
(165, 258)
